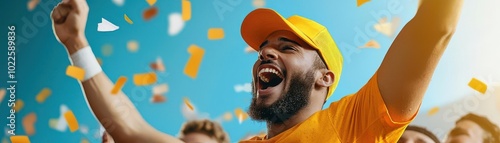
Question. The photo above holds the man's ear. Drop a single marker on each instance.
(326, 79)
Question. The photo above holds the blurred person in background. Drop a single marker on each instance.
(473, 128)
(416, 134)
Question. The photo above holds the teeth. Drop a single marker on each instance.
(271, 70)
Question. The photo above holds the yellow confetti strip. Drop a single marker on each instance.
(259, 3)
(186, 10)
(240, 114)
(193, 64)
(361, 2)
(19, 139)
(228, 116)
(132, 46)
(371, 44)
(188, 104)
(144, 79)
(118, 85)
(107, 50)
(42, 95)
(215, 33)
(129, 21)
(19, 105)
(29, 123)
(151, 2)
(2, 94)
(32, 4)
(433, 111)
(75, 72)
(478, 85)
(71, 120)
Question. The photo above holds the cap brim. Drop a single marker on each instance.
(262, 22)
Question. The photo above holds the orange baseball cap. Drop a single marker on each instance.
(260, 23)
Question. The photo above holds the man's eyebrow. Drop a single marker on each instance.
(263, 44)
(288, 40)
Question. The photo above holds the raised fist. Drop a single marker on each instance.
(68, 21)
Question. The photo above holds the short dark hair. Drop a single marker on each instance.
(423, 131)
(319, 63)
(207, 127)
(493, 131)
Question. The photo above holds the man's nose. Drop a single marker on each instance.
(268, 53)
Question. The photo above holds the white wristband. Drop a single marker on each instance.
(85, 59)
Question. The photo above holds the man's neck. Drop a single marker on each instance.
(302, 115)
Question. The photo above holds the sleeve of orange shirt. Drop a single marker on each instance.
(363, 117)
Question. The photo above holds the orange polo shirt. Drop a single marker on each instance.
(361, 117)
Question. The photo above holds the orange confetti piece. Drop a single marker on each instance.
(151, 2)
(186, 10)
(215, 33)
(158, 98)
(371, 44)
(19, 105)
(433, 111)
(160, 89)
(242, 115)
(75, 72)
(193, 64)
(188, 104)
(118, 85)
(361, 2)
(19, 139)
(144, 79)
(129, 21)
(149, 13)
(478, 85)
(158, 65)
(29, 123)
(2, 94)
(32, 4)
(42, 95)
(227, 116)
(71, 120)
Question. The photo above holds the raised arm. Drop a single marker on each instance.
(115, 112)
(409, 64)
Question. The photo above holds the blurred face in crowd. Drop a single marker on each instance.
(466, 132)
(198, 138)
(410, 136)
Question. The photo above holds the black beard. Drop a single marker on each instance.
(288, 104)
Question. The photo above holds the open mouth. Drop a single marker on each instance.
(269, 77)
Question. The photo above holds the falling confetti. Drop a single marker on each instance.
(160, 89)
(29, 123)
(107, 50)
(118, 2)
(106, 26)
(259, 3)
(478, 85)
(75, 72)
(129, 21)
(193, 64)
(227, 116)
(84, 140)
(249, 49)
(32, 4)
(42, 95)
(188, 104)
(151, 2)
(71, 120)
(158, 98)
(240, 114)
(60, 124)
(387, 28)
(132, 46)
(215, 33)
(371, 44)
(118, 85)
(149, 13)
(361, 2)
(144, 79)
(158, 65)
(84, 129)
(176, 24)
(186, 10)
(19, 139)
(19, 105)
(433, 111)
(247, 87)
(53, 123)
(2, 94)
